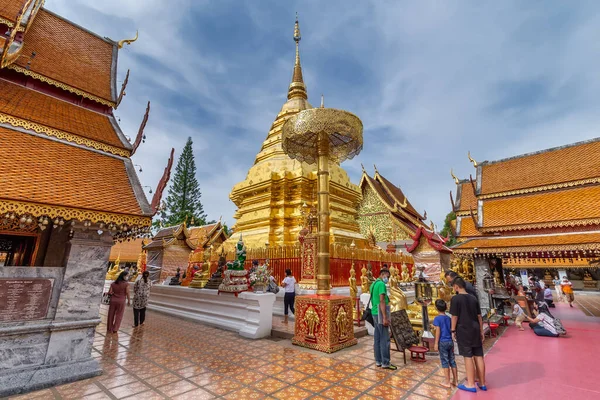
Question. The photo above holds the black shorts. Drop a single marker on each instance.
(470, 351)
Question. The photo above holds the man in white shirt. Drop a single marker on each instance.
(289, 297)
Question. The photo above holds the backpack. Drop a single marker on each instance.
(560, 329)
(273, 288)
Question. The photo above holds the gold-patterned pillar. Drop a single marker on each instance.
(323, 276)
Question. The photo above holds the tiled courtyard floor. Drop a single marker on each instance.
(174, 358)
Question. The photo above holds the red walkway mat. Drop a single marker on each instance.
(522, 364)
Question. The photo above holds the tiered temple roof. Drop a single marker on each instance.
(63, 155)
(543, 204)
(385, 212)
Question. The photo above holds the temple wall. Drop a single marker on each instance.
(56, 349)
(175, 256)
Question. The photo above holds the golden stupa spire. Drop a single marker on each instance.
(297, 87)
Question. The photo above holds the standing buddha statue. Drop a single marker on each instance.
(397, 297)
(353, 291)
(365, 285)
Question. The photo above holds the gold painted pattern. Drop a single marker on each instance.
(22, 123)
(558, 224)
(529, 249)
(541, 188)
(68, 213)
(61, 85)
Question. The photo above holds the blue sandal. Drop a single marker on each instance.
(466, 389)
(484, 387)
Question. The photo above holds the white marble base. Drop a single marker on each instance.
(249, 314)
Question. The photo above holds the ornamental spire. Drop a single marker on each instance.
(297, 87)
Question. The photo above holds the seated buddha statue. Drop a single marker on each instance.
(397, 298)
(176, 280)
(217, 277)
(201, 275)
(405, 275)
(365, 284)
(370, 273)
(113, 273)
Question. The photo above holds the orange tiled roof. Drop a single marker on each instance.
(39, 170)
(467, 198)
(10, 8)
(467, 227)
(127, 251)
(524, 242)
(574, 204)
(37, 107)
(576, 162)
(396, 193)
(69, 54)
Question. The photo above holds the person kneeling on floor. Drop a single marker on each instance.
(545, 325)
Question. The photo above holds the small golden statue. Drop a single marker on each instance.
(397, 297)
(353, 291)
(201, 277)
(312, 321)
(587, 276)
(365, 284)
(497, 281)
(342, 323)
(114, 272)
(370, 273)
(405, 274)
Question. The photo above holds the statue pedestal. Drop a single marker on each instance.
(324, 323)
(589, 284)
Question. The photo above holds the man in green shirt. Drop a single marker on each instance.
(381, 315)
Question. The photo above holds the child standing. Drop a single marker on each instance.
(444, 343)
(518, 314)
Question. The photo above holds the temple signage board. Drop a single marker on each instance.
(24, 299)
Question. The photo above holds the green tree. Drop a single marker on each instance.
(448, 230)
(183, 201)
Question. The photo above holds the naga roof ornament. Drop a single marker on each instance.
(453, 176)
(471, 159)
(124, 42)
(122, 93)
(140, 135)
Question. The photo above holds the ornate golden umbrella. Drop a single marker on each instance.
(322, 135)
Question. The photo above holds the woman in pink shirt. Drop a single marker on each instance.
(119, 291)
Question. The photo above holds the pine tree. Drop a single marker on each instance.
(448, 231)
(183, 200)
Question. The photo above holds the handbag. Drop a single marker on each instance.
(367, 315)
(106, 298)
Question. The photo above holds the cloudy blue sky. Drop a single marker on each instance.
(429, 79)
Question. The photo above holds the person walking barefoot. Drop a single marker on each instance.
(141, 293)
(567, 288)
(467, 331)
(444, 343)
(119, 291)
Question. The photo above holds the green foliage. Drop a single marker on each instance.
(448, 230)
(183, 200)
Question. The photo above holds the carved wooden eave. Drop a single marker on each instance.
(122, 92)
(140, 135)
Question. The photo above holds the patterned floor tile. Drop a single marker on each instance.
(313, 384)
(196, 394)
(224, 386)
(386, 392)
(178, 387)
(292, 393)
(269, 385)
(400, 382)
(113, 381)
(161, 380)
(435, 392)
(358, 383)
(291, 376)
(340, 393)
(245, 394)
(128, 390)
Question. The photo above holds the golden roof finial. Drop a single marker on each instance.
(375, 166)
(471, 159)
(127, 41)
(363, 167)
(453, 176)
(297, 87)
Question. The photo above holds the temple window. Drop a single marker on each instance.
(17, 251)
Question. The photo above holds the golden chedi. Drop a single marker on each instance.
(270, 199)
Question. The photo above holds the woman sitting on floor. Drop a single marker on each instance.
(544, 323)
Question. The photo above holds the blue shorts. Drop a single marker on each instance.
(447, 354)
